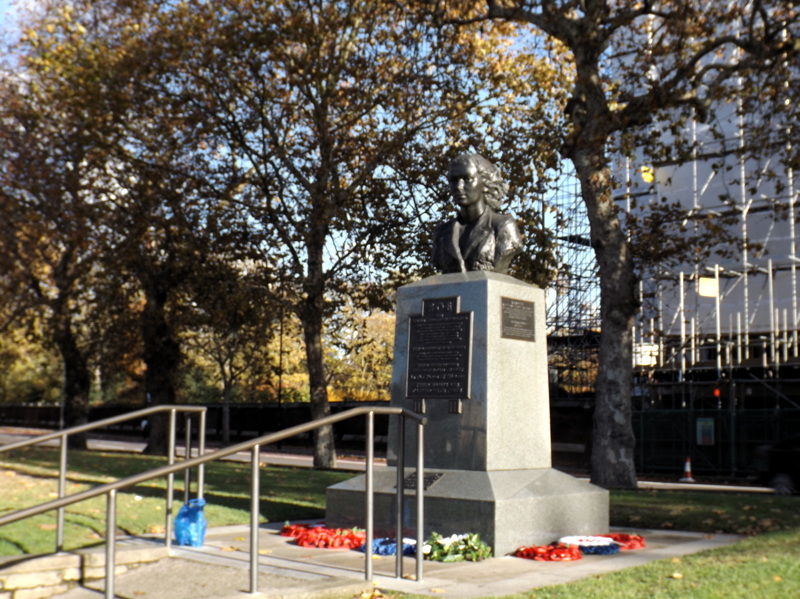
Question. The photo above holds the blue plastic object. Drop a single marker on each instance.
(388, 546)
(190, 524)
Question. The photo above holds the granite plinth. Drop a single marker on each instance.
(508, 508)
(494, 453)
(505, 423)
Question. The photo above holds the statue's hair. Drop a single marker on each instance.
(494, 186)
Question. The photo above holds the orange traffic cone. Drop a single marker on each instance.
(687, 472)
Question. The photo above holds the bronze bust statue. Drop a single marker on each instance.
(478, 238)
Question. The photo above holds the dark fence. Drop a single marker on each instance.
(719, 442)
(246, 420)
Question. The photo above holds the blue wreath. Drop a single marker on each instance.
(599, 549)
(388, 546)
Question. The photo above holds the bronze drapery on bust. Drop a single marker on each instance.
(478, 238)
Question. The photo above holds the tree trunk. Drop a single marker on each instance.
(312, 311)
(162, 357)
(77, 383)
(226, 413)
(324, 450)
(613, 439)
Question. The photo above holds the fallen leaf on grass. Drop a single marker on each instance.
(777, 578)
(676, 575)
(156, 530)
(47, 526)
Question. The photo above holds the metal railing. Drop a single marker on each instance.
(254, 446)
(62, 435)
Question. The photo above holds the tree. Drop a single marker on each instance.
(337, 120)
(638, 63)
(308, 138)
(360, 352)
(231, 327)
(48, 254)
(154, 219)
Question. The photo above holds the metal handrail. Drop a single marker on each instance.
(62, 466)
(254, 445)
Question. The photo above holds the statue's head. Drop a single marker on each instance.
(494, 188)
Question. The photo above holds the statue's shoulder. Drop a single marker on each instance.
(501, 221)
(443, 227)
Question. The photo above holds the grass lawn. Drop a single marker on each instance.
(766, 564)
(27, 478)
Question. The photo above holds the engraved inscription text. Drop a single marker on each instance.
(439, 351)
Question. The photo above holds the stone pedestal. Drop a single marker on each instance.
(492, 461)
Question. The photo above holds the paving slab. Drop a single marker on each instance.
(220, 570)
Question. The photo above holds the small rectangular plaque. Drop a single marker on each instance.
(439, 351)
(517, 319)
(428, 479)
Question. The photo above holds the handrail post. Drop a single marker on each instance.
(255, 508)
(62, 491)
(201, 449)
(369, 495)
(187, 443)
(170, 481)
(400, 494)
(110, 489)
(420, 502)
(111, 538)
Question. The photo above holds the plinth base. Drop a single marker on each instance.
(508, 508)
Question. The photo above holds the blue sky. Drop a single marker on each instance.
(5, 10)
(5, 7)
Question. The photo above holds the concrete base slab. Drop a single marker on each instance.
(287, 571)
(508, 508)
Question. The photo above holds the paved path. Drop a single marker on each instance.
(220, 570)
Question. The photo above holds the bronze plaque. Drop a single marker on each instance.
(428, 479)
(439, 351)
(517, 319)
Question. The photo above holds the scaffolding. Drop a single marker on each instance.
(716, 343)
(573, 306)
(716, 353)
(733, 316)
